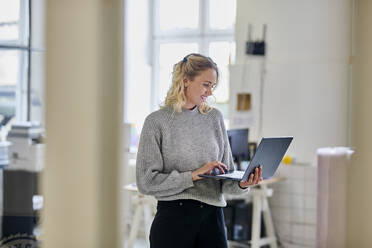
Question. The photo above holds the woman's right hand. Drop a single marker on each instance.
(207, 168)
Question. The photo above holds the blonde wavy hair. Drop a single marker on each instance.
(190, 67)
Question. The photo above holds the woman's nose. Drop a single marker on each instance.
(209, 91)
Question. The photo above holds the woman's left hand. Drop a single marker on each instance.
(253, 179)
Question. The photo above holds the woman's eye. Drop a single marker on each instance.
(208, 85)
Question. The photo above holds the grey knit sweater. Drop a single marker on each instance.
(172, 145)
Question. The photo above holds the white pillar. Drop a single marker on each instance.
(83, 116)
(359, 184)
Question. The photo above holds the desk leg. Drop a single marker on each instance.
(135, 224)
(256, 223)
(269, 223)
(268, 220)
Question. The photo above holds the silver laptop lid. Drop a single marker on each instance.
(269, 153)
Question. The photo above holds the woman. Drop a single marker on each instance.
(179, 142)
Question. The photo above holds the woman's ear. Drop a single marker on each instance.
(185, 82)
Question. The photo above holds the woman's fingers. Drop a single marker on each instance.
(220, 166)
(250, 181)
(260, 174)
(257, 175)
(223, 166)
(255, 178)
(207, 168)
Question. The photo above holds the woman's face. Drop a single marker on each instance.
(198, 89)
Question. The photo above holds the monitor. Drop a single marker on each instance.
(238, 139)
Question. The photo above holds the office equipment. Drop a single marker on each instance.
(26, 150)
(19, 216)
(243, 219)
(238, 219)
(258, 234)
(238, 139)
(26, 129)
(269, 154)
(256, 47)
(20, 179)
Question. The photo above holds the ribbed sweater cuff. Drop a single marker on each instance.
(188, 179)
(242, 190)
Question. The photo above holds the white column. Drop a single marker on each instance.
(83, 113)
(359, 183)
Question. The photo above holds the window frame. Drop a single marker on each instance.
(23, 46)
(203, 36)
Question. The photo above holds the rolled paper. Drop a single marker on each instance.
(331, 200)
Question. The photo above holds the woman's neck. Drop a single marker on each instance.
(189, 106)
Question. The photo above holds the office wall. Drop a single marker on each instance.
(359, 214)
(306, 82)
(84, 45)
(294, 206)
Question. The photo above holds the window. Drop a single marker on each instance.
(14, 58)
(182, 27)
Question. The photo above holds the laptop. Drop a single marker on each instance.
(269, 153)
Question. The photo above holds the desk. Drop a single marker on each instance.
(260, 193)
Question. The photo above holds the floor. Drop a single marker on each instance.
(141, 243)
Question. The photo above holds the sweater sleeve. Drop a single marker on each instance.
(229, 186)
(151, 179)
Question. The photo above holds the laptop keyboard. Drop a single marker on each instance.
(235, 174)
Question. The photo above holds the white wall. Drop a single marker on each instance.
(307, 70)
(294, 206)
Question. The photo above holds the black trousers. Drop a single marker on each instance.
(188, 224)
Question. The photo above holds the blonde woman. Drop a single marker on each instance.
(179, 142)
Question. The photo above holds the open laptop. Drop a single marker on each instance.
(269, 153)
